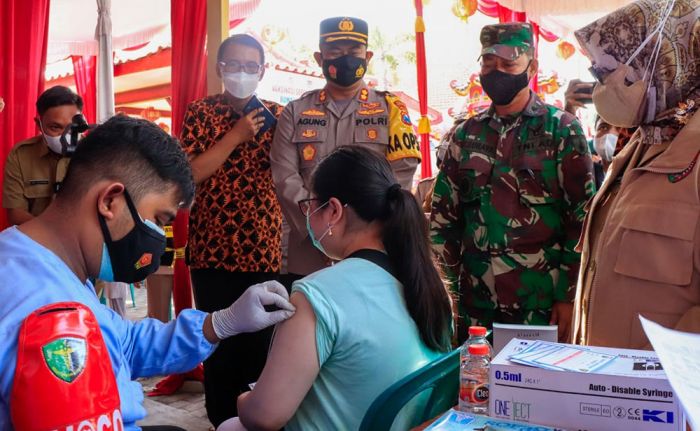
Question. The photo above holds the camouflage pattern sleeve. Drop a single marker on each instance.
(446, 224)
(575, 174)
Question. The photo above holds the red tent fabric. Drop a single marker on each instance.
(85, 73)
(188, 22)
(189, 82)
(23, 42)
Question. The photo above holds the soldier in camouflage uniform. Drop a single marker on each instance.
(508, 202)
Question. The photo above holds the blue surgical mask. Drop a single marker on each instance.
(314, 241)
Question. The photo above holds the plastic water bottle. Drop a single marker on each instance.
(474, 381)
(477, 335)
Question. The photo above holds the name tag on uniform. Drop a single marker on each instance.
(38, 182)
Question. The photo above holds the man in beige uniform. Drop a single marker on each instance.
(35, 165)
(344, 112)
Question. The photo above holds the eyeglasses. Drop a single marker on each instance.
(235, 66)
(305, 205)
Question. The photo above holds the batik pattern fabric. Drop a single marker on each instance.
(236, 220)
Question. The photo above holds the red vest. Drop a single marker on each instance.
(64, 379)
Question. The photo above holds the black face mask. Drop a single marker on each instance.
(502, 87)
(345, 70)
(137, 255)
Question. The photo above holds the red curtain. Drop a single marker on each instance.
(85, 72)
(422, 75)
(23, 42)
(488, 7)
(188, 21)
(508, 15)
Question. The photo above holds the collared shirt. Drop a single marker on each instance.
(235, 222)
(310, 128)
(508, 208)
(31, 171)
(31, 276)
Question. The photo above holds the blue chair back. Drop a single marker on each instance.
(440, 377)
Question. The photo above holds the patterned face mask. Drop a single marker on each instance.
(629, 106)
(657, 40)
(345, 70)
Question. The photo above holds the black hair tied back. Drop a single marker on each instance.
(393, 192)
(364, 180)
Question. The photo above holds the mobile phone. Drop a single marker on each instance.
(588, 89)
(270, 119)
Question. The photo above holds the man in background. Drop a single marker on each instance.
(508, 201)
(344, 112)
(36, 166)
(235, 222)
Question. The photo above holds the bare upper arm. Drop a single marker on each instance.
(292, 364)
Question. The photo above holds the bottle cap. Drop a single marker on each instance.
(478, 349)
(477, 330)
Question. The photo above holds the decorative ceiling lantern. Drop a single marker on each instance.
(150, 114)
(565, 50)
(548, 85)
(272, 35)
(463, 9)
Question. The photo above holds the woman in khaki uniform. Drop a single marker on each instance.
(641, 237)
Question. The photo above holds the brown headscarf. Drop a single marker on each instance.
(611, 41)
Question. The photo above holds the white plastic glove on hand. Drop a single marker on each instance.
(248, 314)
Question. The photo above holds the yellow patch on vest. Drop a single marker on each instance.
(402, 141)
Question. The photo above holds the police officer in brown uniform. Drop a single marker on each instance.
(344, 112)
(35, 166)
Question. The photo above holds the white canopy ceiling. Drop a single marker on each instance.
(72, 22)
(72, 25)
(563, 17)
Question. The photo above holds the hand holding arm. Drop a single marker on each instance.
(248, 313)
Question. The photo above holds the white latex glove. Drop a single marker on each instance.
(233, 424)
(248, 314)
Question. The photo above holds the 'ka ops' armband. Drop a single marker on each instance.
(402, 141)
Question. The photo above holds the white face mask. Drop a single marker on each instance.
(241, 85)
(605, 146)
(53, 142)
